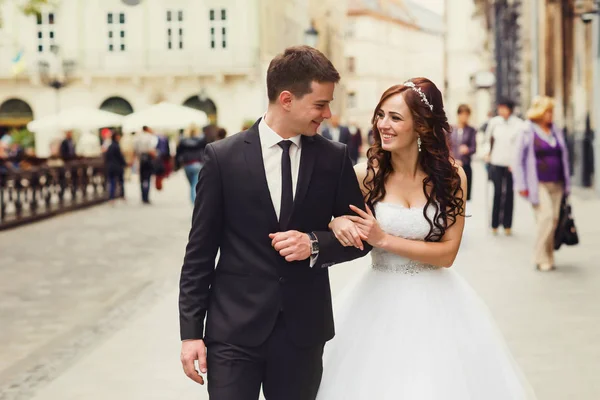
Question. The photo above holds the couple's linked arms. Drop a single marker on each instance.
(295, 246)
(350, 229)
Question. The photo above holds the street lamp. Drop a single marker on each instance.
(311, 35)
(56, 72)
(587, 14)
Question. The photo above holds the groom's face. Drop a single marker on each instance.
(309, 111)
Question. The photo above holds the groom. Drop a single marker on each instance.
(265, 199)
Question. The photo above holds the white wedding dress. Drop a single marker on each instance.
(410, 331)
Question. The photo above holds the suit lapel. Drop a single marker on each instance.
(307, 163)
(256, 168)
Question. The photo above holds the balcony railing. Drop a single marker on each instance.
(44, 191)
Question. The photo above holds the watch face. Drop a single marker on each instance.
(314, 247)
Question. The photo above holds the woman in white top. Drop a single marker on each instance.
(502, 132)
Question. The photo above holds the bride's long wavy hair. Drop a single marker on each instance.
(442, 186)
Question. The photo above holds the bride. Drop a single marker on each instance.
(412, 328)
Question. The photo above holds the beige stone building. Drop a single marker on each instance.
(329, 18)
(468, 61)
(211, 55)
(388, 42)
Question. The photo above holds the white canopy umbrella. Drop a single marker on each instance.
(164, 116)
(83, 119)
(76, 118)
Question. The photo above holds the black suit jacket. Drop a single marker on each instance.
(344, 134)
(243, 296)
(67, 150)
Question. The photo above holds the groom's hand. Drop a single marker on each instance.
(192, 350)
(293, 245)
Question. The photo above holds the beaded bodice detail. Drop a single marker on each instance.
(408, 223)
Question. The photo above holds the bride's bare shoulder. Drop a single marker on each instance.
(361, 171)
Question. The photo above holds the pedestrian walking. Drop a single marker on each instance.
(502, 132)
(463, 144)
(115, 168)
(190, 157)
(542, 175)
(145, 151)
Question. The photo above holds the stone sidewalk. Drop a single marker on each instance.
(128, 345)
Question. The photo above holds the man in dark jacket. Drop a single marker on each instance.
(266, 198)
(67, 147)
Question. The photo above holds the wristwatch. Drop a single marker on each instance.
(314, 244)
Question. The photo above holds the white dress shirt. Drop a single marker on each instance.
(505, 134)
(335, 133)
(271, 153)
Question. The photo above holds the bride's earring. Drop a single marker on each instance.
(419, 143)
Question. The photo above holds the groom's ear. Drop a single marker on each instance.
(285, 99)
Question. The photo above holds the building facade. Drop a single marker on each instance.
(468, 61)
(558, 57)
(211, 55)
(329, 19)
(388, 42)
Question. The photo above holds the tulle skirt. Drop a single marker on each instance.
(423, 336)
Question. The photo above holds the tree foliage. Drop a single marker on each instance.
(29, 7)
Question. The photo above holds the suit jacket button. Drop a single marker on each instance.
(282, 280)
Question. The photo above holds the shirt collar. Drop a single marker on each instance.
(270, 138)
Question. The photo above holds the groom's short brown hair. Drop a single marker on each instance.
(296, 69)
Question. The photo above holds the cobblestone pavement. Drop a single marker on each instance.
(90, 309)
(67, 282)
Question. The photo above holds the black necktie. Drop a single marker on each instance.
(287, 193)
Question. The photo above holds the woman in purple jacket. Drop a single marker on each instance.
(463, 143)
(541, 175)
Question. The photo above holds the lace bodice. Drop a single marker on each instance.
(408, 223)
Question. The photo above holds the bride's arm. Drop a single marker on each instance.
(441, 254)
(343, 229)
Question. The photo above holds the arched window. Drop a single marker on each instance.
(204, 104)
(117, 105)
(15, 113)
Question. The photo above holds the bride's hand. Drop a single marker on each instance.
(346, 232)
(368, 226)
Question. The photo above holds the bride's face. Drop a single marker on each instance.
(395, 124)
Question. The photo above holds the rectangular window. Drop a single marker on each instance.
(45, 31)
(351, 100)
(174, 27)
(218, 28)
(116, 32)
(351, 65)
